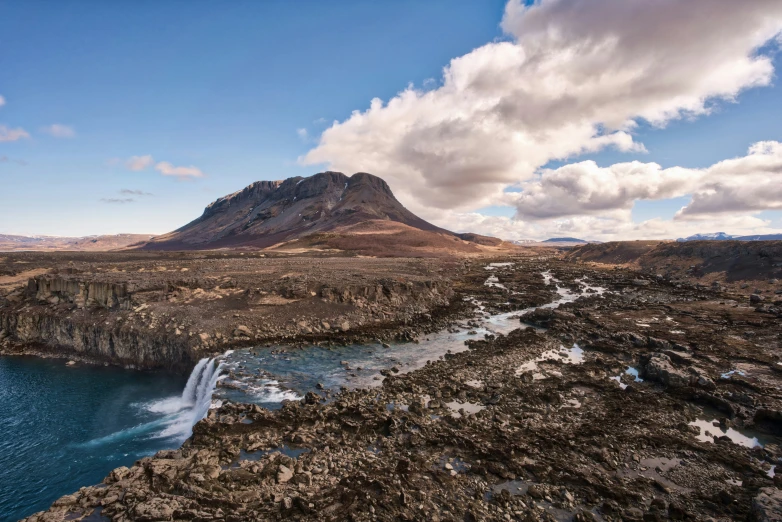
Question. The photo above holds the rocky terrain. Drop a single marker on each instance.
(648, 398)
(748, 267)
(168, 310)
(328, 212)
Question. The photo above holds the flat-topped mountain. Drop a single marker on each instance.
(325, 211)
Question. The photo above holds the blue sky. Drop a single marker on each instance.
(227, 87)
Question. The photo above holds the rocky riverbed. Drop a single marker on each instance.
(652, 400)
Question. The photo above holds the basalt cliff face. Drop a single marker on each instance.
(162, 310)
(324, 211)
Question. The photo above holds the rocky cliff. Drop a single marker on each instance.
(82, 293)
(165, 310)
(96, 341)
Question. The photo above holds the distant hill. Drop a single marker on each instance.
(12, 243)
(766, 237)
(326, 211)
(715, 236)
(566, 240)
(722, 236)
(729, 259)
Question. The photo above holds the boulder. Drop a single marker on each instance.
(284, 474)
(767, 506)
(659, 367)
(241, 331)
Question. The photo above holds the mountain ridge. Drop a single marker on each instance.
(321, 207)
(722, 236)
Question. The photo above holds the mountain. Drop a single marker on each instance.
(766, 237)
(325, 211)
(566, 240)
(715, 236)
(11, 243)
(722, 236)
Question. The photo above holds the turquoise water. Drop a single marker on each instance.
(62, 428)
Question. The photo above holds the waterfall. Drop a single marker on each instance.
(189, 393)
(182, 413)
(197, 395)
(206, 385)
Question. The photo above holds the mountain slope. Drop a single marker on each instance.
(326, 205)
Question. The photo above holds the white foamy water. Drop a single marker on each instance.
(183, 412)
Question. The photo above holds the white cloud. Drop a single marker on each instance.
(58, 130)
(2, 101)
(585, 188)
(748, 183)
(585, 200)
(139, 162)
(576, 77)
(303, 134)
(181, 173)
(612, 226)
(8, 134)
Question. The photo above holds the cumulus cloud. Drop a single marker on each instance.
(139, 162)
(58, 130)
(8, 134)
(181, 173)
(303, 134)
(575, 77)
(748, 183)
(586, 188)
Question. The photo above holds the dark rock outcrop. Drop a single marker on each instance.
(82, 293)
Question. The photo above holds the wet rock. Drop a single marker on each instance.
(311, 398)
